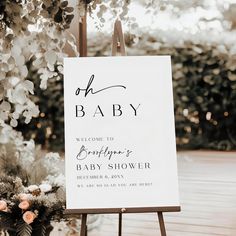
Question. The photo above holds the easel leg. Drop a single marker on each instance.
(120, 224)
(83, 230)
(83, 35)
(161, 223)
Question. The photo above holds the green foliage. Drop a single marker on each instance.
(204, 81)
(39, 230)
(59, 11)
(7, 7)
(12, 14)
(6, 221)
(48, 128)
(204, 86)
(9, 186)
(23, 229)
(10, 168)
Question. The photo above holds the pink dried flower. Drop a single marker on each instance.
(24, 205)
(29, 217)
(3, 206)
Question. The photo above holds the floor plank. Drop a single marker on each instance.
(207, 183)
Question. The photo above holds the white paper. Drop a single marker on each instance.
(119, 133)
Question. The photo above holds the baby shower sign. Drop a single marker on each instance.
(119, 133)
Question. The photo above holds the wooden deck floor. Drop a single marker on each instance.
(208, 200)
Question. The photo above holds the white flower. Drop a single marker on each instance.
(53, 163)
(44, 187)
(58, 180)
(51, 57)
(24, 196)
(53, 156)
(32, 188)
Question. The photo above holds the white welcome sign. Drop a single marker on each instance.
(119, 133)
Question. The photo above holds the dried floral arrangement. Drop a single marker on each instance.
(29, 200)
(28, 210)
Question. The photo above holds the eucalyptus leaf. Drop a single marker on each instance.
(64, 4)
(69, 9)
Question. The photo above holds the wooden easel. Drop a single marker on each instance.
(118, 42)
(120, 212)
(83, 34)
(118, 47)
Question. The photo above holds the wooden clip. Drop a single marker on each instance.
(118, 42)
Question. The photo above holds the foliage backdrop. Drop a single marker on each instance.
(204, 85)
(33, 34)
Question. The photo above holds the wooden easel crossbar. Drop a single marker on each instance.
(118, 47)
(121, 211)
